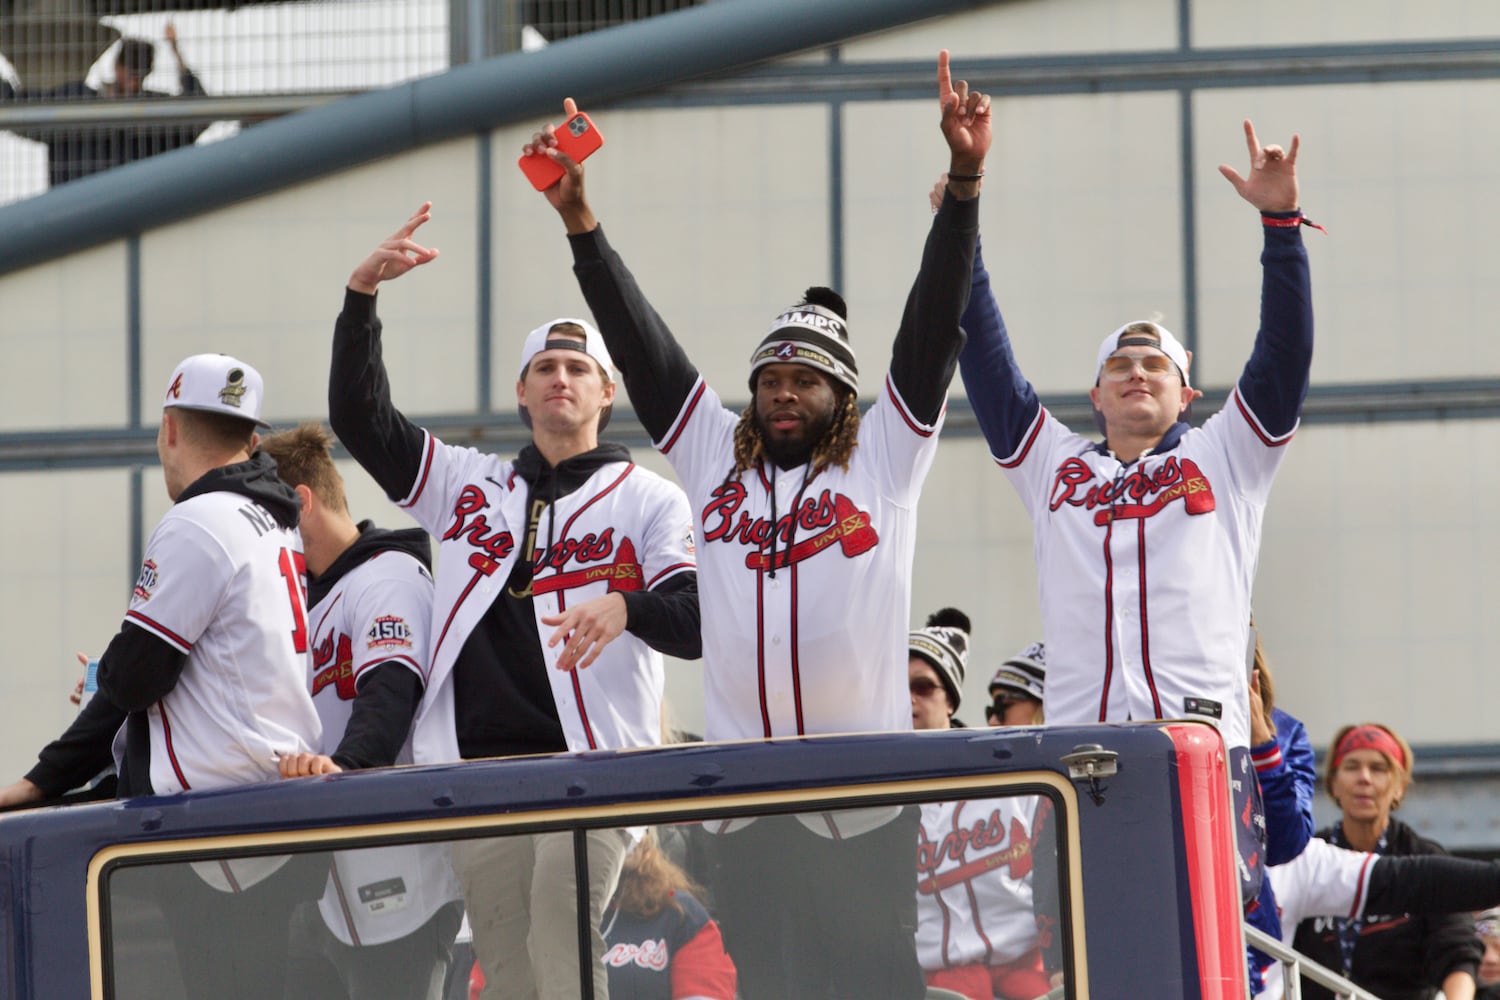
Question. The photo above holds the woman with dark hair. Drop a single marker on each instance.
(1397, 957)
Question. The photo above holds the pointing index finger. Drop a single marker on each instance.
(945, 78)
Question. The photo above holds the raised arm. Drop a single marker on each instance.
(380, 438)
(925, 353)
(186, 78)
(1275, 380)
(657, 373)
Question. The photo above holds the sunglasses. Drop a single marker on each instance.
(1119, 367)
(925, 687)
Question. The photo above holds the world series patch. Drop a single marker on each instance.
(389, 632)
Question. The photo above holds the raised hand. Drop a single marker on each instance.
(394, 257)
(965, 121)
(566, 196)
(1272, 184)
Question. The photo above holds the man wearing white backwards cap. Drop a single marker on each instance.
(563, 574)
(207, 675)
(1146, 543)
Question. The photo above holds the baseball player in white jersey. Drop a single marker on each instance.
(206, 673)
(1146, 543)
(806, 517)
(1329, 881)
(386, 923)
(976, 926)
(562, 576)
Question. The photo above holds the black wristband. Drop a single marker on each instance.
(967, 177)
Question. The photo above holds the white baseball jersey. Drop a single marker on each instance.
(782, 651)
(224, 583)
(624, 529)
(1322, 881)
(974, 903)
(376, 613)
(1146, 569)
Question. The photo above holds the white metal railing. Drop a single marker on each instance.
(1295, 965)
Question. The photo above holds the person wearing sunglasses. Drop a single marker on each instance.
(976, 928)
(1016, 689)
(1160, 522)
(939, 657)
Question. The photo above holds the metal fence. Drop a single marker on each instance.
(90, 84)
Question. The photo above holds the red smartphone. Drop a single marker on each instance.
(577, 137)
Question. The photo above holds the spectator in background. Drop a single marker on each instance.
(79, 150)
(662, 943)
(1017, 687)
(1284, 771)
(1488, 926)
(1284, 764)
(976, 930)
(1396, 957)
(939, 655)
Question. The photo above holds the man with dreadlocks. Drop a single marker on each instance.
(806, 512)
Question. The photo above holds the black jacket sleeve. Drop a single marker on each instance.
(384, 705)
(666, 617)
(1432, 883)
(658, 375)
(138, 668)
(81, 752)
(925, 354)
(386, 444)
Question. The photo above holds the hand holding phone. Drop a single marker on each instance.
(578, 137)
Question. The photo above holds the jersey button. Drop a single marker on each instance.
(776, 640)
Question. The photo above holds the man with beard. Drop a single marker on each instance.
(807, 514)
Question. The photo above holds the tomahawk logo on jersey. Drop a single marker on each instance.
(377, 612)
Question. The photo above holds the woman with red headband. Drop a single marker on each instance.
(1397, 957)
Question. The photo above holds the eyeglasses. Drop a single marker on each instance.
(1119, 367)
(925, 687)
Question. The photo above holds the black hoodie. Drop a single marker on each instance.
(387, 694)
(502, 697)
(138, 668)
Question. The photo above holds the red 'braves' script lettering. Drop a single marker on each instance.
(992, 845)
(1142, 493)
(589, 548)
(470, 524)
(649, 954)
(724, 520)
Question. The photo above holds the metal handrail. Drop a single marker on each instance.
(1295, 965)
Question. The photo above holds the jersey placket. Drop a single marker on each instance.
(777, 601)
(1127, 618)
